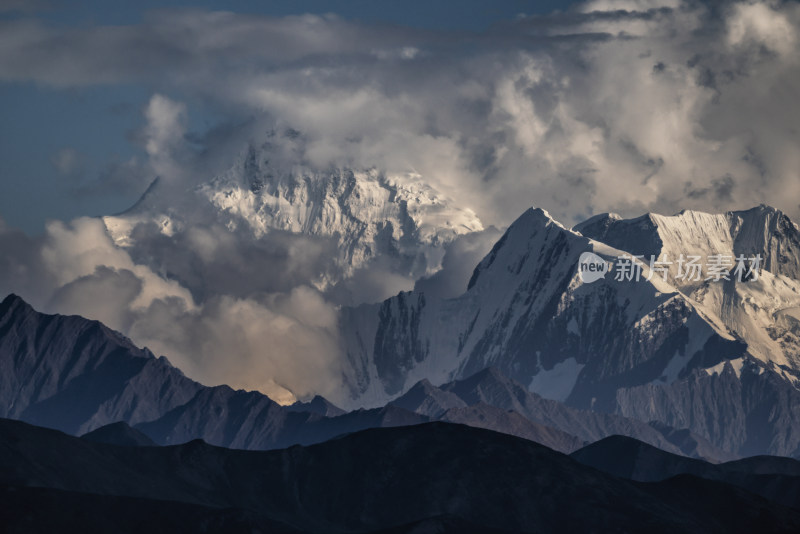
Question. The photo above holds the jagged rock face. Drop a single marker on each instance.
(76, 375)
(771, 233)
(740, 405)
(490, 388)
(368, 213)
(365, 214)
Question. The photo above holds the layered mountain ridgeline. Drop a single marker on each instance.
(761, 230)
(718, 358)
(653, 351)
(774, 478)
(490, 388)
(77, 376)
(654, 354)
(445, 477)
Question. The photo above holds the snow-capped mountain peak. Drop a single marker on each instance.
(527, 311)
(367, 212)
(360, 215)
(712, 356)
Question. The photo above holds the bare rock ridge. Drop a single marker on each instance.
(74, 374)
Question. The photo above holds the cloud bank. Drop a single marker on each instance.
(627, 106)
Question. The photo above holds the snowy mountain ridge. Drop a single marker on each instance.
(609, 345)
(761, 312)
(527, 312)
(715, 358)
(760, 230)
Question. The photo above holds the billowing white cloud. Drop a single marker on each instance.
(761, 24)
(285, 345)
(76, 250)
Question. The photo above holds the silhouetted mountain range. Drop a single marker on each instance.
(454, 477)
(119, 433)
(775, 478)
